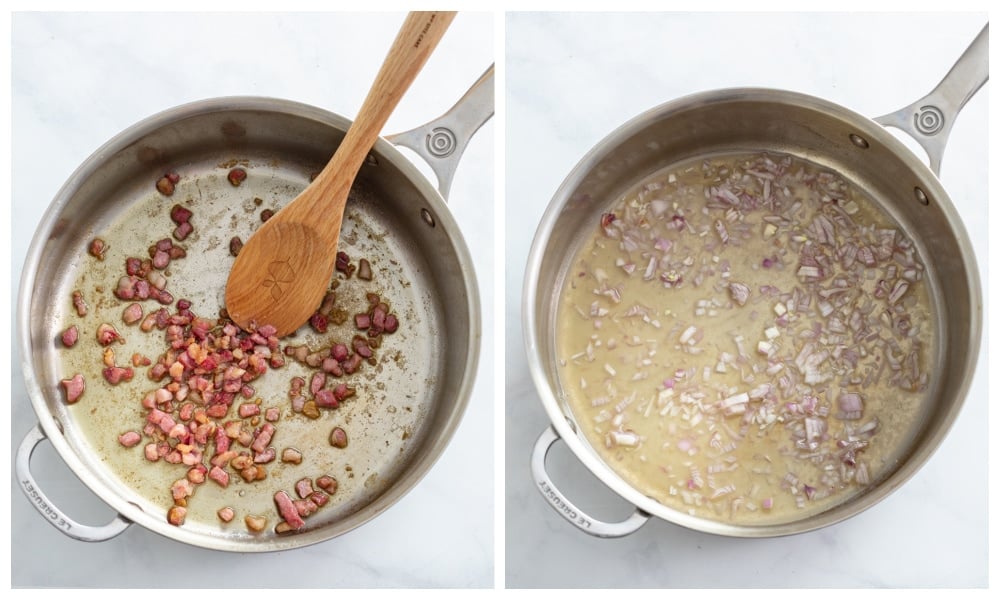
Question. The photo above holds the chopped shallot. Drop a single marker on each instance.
(739, 292)
(834, 321)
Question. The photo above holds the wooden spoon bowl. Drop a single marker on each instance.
(283, 271)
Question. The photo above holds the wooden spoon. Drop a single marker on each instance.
(284, 270)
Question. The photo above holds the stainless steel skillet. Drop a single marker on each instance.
(413, 401)
(747, 120)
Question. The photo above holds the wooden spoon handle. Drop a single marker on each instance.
(417, 38)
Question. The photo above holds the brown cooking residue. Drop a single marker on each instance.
(210, 365)
(746, 339)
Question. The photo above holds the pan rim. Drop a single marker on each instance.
(52, 428)
(564, 421)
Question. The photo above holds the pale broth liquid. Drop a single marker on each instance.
(746, 339)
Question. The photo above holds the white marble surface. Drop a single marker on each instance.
(571, 80)
(77, 80)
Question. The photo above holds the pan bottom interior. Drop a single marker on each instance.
(655, 373)
(386, 422)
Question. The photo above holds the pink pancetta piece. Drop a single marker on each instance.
(129, 438)
(305, 507)
(152, 455)
(265, 457)
(182, 488)
(248, 409)
(132, 313)
(70, 336)
(106, 334)
(219, 476)
(326, 399)
(263, 438)
(74, 388)
(303, 487)
(287, 510)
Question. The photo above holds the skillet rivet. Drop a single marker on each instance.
(859, 141)
(921, 196)
(427, 217)
(370, 159)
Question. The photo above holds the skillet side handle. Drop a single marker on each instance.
(565, 508)
(55, 517)
(442, 141)
(929, 119)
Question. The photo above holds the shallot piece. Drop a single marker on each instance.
(226, 514)
(851, 406)
(898, 290)
(739, 292)
(809, 272)
(721, 231)
(606, 220)
(663, 244)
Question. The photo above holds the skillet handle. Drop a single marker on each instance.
(442, 141)
(929, 119)
(565, 508)
(43, 505)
